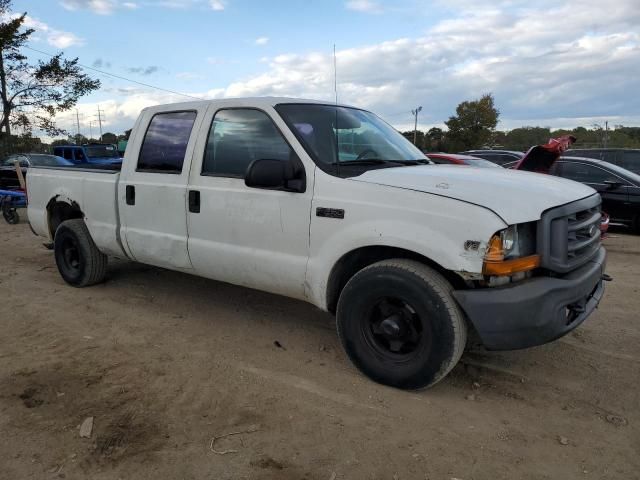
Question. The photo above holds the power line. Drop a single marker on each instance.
(119, 76)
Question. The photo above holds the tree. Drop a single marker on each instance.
(109, 138)
(33, 93)
(435, 140)
(524, 138)
(419, 137)
(473, 125)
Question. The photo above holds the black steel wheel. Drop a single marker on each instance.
(79, 261)
(400, 325)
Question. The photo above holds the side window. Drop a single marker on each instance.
(581, 172)
(630, 160)
(68, 154)
(165, 142)
(237, 137)
(80, 155)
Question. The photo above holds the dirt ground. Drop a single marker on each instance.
(166, 362)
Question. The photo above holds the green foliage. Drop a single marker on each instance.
(60, 142)
(109, 138)
(524, 137)
(473, 125)
(419, 138)
(33, 93)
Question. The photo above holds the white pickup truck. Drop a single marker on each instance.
(331, 205)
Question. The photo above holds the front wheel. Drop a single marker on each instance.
(400, 325)
(79, 261)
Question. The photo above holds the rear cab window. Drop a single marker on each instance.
(165, 142)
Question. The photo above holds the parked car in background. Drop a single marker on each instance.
(628, 158)
(618, 187)
(93, 153)
(543, 159)
(496, 156)
(459, 159)
(8, 174)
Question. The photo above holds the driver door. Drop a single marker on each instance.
(255, 237)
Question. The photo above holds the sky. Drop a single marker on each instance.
(547, 63)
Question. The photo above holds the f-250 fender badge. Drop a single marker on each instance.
(330, 212)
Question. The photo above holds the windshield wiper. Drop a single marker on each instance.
(368, 161)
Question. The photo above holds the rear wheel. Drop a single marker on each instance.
(79, 261)
(400, 325)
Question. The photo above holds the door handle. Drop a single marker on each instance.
(130, 193)
(194, 201)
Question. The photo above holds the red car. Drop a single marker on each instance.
(459, 159)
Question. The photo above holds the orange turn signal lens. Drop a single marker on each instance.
(509, 267)
(495, 252)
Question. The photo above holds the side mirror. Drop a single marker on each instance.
(269, 173)
(611, 184)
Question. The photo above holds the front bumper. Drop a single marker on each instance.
(534, 311)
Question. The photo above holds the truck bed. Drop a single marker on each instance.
(93, 191)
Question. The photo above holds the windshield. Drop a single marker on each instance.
(340, 136)
(102, 151)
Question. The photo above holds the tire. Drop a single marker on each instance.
(79, 261)
(400, 325)
(11, 216)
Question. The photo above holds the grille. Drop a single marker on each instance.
(569, 236)
(583, 233)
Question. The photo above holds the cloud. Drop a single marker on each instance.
(567, 62)
(150, 70)
(216, 5)
(100, 63)
(561, 68)
(54, 37)
(261, 40)
(101, 7)
(366, 6)
(130, 5)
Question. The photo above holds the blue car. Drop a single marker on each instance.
(93, 153)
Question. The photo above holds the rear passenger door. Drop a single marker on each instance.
(152, 187)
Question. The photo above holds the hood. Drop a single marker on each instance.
(515, 196)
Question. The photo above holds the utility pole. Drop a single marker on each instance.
(77, 125)
(606, 133)
(100, 120)
(415, 125)
(90, 129)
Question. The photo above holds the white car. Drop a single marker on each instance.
(331, 205)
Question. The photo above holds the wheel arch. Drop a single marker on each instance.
(60, 209)
(357, 259)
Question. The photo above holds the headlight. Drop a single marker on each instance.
(511, 250)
